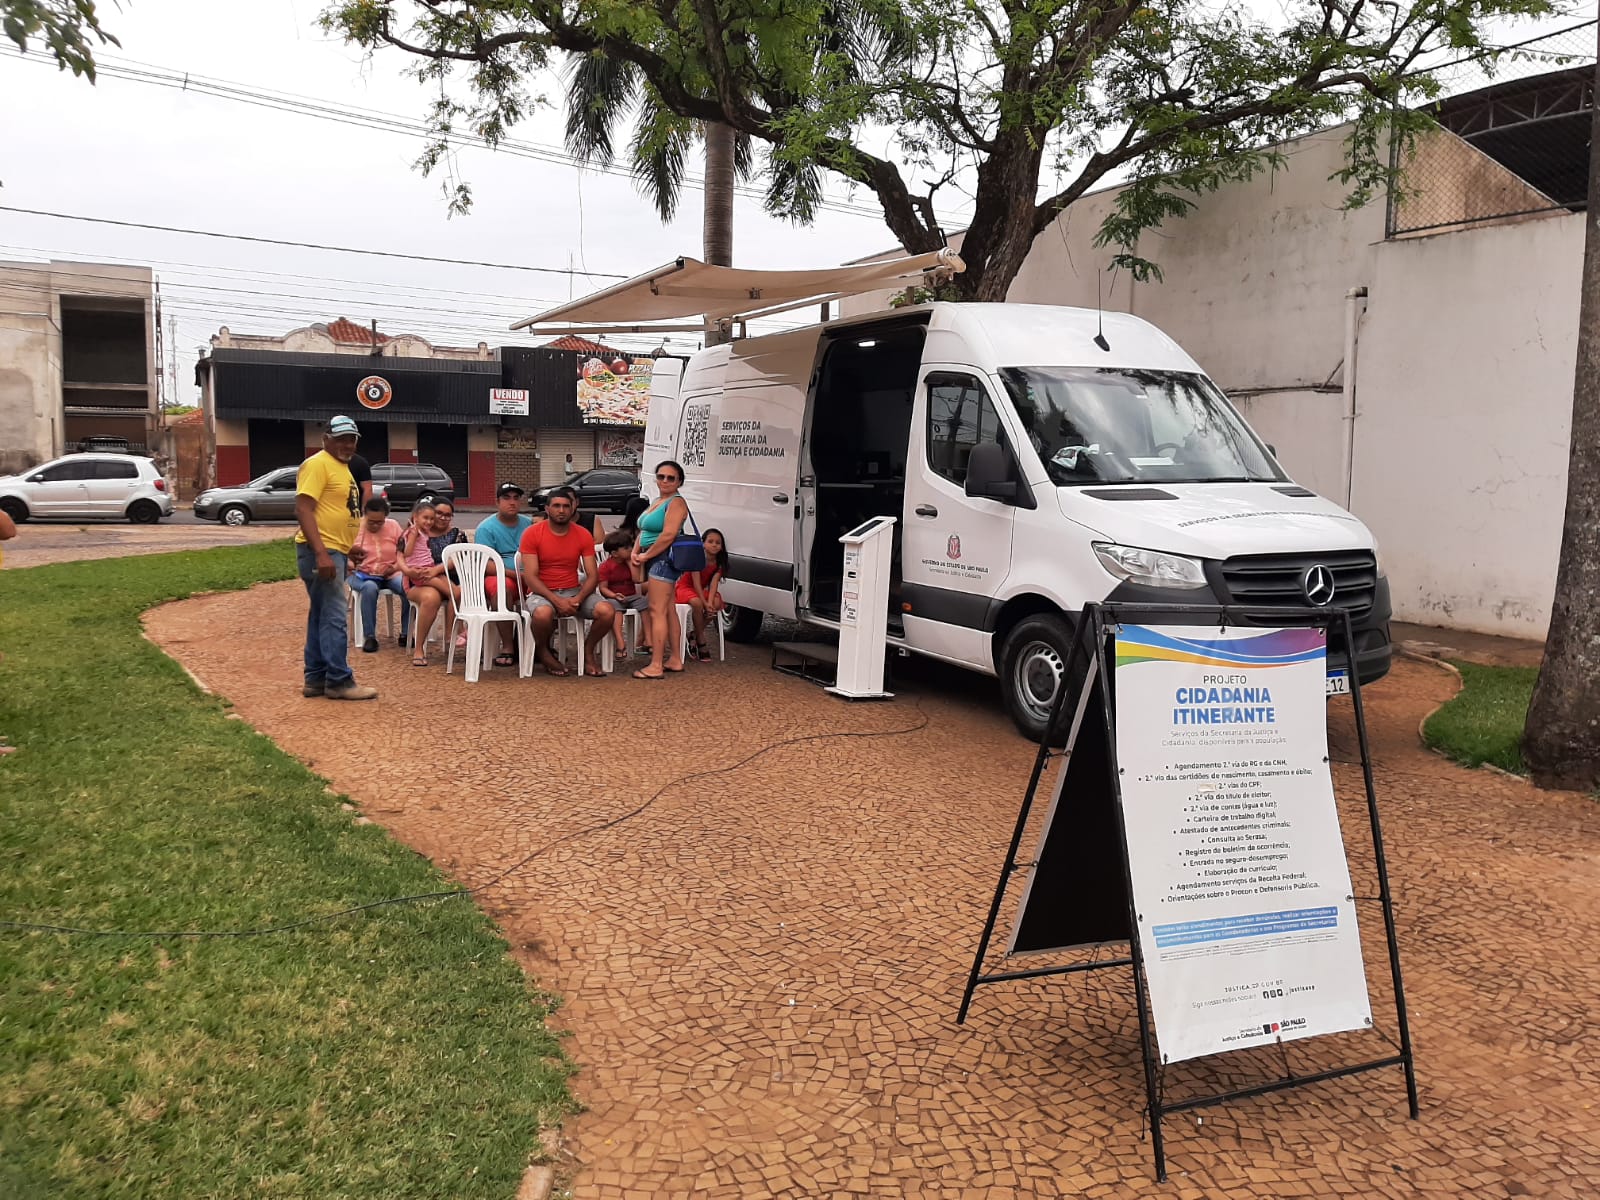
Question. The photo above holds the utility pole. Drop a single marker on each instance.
(172, 358)
(1561, 741)
(717, 224)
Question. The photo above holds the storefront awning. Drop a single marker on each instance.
(690, 288)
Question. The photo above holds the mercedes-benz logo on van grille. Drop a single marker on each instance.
(1317, 583)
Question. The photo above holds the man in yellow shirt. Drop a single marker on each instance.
(327, 504)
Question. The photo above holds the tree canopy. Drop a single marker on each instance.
(1023, 104)
(68, 29)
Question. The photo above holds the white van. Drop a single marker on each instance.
(1035, 460)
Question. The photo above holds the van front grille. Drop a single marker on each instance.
(1280, 579)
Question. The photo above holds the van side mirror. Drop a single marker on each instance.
(991, 474)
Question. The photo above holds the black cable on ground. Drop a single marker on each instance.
(461, 893)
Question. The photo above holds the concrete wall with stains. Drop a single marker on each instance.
(1464, 411)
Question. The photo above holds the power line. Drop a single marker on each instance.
(245, 237)
(355, 115)
(262, 275)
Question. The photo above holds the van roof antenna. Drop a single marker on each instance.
(1100, 316)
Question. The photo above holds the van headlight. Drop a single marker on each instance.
(1151, 568)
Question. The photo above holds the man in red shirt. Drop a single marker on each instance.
(552, 552)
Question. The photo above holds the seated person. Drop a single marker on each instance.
(700, 590)
(379, 538)
(503, 534)
(552, 553)
(617, 583)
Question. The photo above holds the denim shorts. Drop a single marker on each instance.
(661, 569)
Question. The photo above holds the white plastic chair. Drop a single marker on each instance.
(352, 613)
(436, 634)
(472, 562)
(686, 622)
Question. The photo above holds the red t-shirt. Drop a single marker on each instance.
(617, 576)
(685, 592)
(559, 555)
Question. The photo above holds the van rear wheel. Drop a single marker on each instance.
(1033, 671)
(741, 624)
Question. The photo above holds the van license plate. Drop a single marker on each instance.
(1338, 683)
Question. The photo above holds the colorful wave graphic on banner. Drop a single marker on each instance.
(1277, 648)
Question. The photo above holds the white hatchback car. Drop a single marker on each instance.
(89, 485)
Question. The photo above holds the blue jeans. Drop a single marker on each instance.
(327, 654)
(367, 588)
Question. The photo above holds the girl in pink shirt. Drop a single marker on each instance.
(379, 537)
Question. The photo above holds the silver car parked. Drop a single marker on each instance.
(267, 498)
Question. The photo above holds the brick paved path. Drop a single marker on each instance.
(762, 967)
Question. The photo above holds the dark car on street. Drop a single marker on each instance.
(602, 489)
(403, 484)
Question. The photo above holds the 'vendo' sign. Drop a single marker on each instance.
(1246, 921)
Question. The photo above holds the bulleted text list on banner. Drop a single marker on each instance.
(1238, 871)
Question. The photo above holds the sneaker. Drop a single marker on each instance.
(351, 691)
(370, 646)
(402, 640)
(312, 689)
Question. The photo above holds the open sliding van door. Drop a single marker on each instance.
(661, 421)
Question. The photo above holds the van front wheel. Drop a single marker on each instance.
(1033, 670)
(741, 624)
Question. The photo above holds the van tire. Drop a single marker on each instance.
(742, 624)
(1033, 664)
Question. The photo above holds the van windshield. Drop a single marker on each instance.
(1122, 425)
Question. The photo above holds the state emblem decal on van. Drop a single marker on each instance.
(952, 548)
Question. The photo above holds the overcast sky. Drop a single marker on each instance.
(168, 156)
(164, 156)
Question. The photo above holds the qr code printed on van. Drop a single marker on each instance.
(696, 432)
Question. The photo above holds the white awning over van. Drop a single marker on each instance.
(690, 288)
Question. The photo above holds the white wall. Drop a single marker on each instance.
(1464, 401)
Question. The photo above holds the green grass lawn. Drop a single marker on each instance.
(1483, 723)
(399, 1053)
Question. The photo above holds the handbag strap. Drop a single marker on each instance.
(689, 512)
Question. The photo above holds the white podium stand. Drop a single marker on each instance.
(864, 610)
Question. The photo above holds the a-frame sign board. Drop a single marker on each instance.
(1196, 808)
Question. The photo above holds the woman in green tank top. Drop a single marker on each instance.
(658, 528)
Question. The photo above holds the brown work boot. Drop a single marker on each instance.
(351, 691)
(312, 689)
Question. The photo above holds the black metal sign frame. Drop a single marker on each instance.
(1088, 661)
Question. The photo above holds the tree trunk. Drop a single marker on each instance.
(716, 230)
(1562, 740)
(1001, 232)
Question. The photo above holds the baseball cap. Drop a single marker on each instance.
(506, 488)
(340, 426)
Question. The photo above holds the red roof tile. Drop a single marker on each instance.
(350, 333)
(584, 346)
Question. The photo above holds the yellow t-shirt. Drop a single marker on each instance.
(325, 478)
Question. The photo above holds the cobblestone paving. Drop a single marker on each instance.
(761, 967)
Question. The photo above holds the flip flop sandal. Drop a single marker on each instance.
(419, 661)
(505, 660)
(642, 675)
